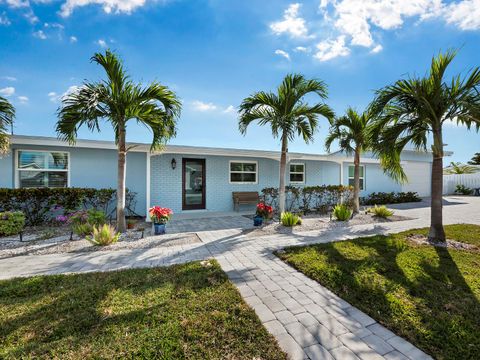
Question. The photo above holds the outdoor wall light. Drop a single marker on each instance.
(174, 164)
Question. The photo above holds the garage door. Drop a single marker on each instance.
(419, 177)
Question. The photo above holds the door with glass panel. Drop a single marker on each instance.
(193, 184)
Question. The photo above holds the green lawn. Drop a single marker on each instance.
(182, 312)
(430, 296)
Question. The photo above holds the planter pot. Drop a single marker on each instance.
(159, 229)
(130, 226)
(257, 221)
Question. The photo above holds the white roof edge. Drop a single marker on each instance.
(185, 149)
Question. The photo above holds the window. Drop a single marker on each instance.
(351, 173)
(42, 169)
(243, 172)
(297, 173)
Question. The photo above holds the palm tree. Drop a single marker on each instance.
(351, 132)
(459, 168)
(412, 109)
(7, 114)
(288, 114)
(118, 100)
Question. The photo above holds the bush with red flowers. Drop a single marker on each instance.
(160, 215)
(264, 211)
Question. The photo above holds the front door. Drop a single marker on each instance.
(193, 184)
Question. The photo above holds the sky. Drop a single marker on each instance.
(215, 53)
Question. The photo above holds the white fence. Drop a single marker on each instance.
(450, 182)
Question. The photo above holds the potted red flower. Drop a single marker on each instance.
(264, 212)
(160, 216)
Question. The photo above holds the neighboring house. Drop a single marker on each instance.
(187, 178)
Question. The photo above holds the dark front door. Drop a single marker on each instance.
(193, 184)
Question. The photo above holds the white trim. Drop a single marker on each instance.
(341, 172)
(296, 172)
(148, 187)
(230, 172)
(360, 177)
(17, 169)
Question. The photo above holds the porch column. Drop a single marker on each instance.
(148, 186)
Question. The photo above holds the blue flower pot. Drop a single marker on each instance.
(257, 221)
(159, 229)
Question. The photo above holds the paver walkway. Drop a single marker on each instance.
(308, 320)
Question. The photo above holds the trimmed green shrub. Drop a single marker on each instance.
(342, 212)
(11, 223)
(381, 211)
(463, 190)
(83, 222)
(383, 198)
(103, 235)
(309, 198)
(289, 219)
(43, 205)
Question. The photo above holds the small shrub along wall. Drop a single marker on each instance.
(11, 223)
(310, 198)
(42, 205)
(382, 198)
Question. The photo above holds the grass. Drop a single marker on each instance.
(186, 311)
(429, 295)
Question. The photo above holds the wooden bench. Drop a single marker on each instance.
(244, 198)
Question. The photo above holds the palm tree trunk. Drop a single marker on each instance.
(356, 182)
(122, 162)
(283, 165)
(437, 233)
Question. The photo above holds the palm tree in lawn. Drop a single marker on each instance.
(351, 132)
(7, 114)
(412, 109)
(288, 114)
(117, 100)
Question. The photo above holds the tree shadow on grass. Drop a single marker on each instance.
(419, 292)
(61, 314)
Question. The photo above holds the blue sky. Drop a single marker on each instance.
(215, 53)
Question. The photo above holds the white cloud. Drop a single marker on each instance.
(330, 49)
(109, 6)
(291, 24)
(73, 39)
(283, 54)
(40, 35)
(9, 78)
(17, 3)
(7, 91)
(202, 106)
(4, 20)
(23, 99)
(464, 14)
(356, 17)
(102, 43)
(55, 97)
(302, 49)
(377, 49)
(229, 109)
(54, 25)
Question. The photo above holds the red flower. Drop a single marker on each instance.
(159, 214)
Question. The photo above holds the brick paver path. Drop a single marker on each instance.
(308, 320)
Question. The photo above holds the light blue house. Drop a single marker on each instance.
(189, 178)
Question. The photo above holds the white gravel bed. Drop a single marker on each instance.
(318, 222)
(62, 244)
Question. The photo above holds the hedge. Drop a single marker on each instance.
(310, 198)
(42, 205)
(383, 198)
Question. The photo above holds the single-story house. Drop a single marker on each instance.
(188, 178)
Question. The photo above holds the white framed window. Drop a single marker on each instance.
(243, 172)
(38, 168)
(351, 176)
(297, 173)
